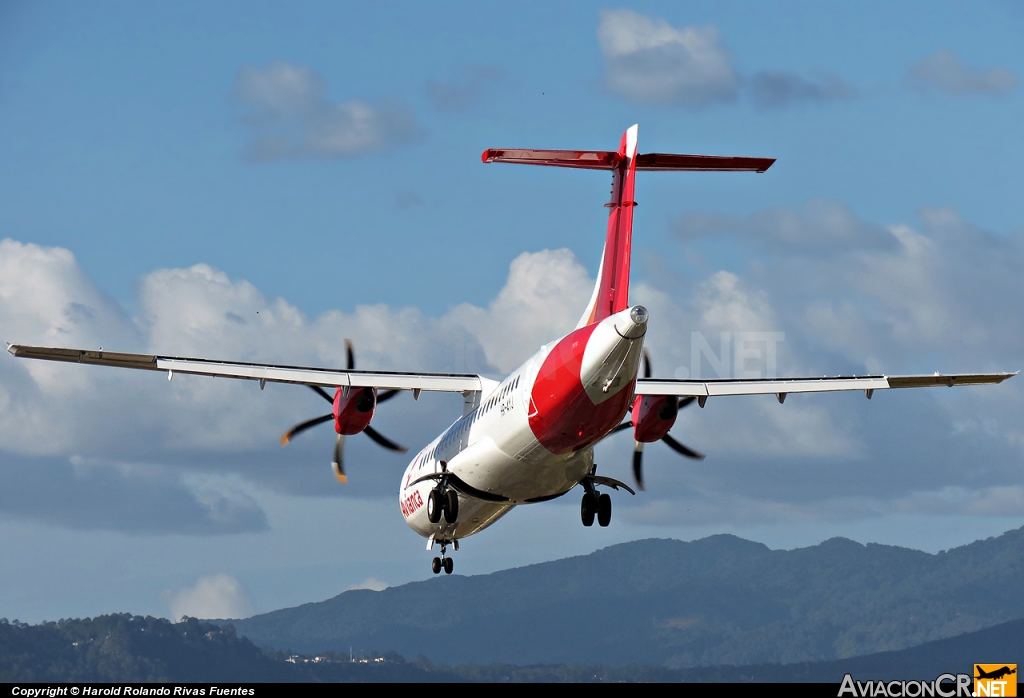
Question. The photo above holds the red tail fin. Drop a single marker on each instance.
(611, 293)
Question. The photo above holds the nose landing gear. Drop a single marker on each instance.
(443, 562)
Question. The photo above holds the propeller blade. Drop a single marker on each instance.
(624, 425)
(647, 364)
(680, 448)
(323, 393)
(383, 440)
(350, 355)
(299, 428)
(638, 464)
(386, 395)
(338, 464)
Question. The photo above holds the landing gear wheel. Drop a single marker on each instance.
(435, 565)
(604, 510)
(434, 506)
(451, 509)
(588, 507)
(449, 565)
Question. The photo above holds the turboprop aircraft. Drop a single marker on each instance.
(530, 437)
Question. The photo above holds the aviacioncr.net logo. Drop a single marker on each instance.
(943, 686)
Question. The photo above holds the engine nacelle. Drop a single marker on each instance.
(352, 414)
(653, 416)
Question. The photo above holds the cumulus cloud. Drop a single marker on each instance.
(771, 89)
(215, 596)
(820, 226)
(287, 108)
(850, 296)
(466, 87)
(648, 61)
(945, 71)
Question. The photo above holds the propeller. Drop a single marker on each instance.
(338, 463)
(673, 404)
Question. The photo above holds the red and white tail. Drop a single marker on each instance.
(611, 293)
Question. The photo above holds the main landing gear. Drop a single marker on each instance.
(443, 562)
(443, 501)
(595, 504)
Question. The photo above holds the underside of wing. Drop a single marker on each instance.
(784, 386)
(264, 373)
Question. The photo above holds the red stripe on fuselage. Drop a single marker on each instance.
(563, 418)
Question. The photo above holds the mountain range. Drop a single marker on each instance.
(718, 601)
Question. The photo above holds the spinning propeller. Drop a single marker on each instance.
(666, 412)
(357, 407)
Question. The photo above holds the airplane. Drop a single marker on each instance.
(995, 673)
(529, 438)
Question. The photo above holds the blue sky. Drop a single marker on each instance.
(320, 165)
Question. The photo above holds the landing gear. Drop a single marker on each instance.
(451, 508)
(593, 505)
(443, 500)
(444, 562)
(604, 510)
(588, 507)
(434, 506)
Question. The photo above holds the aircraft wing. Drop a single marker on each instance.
(264, 373)
(780, 387)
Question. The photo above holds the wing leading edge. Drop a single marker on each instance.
(264, 373)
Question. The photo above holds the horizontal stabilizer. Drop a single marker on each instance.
(608, 160)
(701, 163)
(584, 159)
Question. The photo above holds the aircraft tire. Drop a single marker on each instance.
(449, 565)
(604, 510)
(587, 509)
(434, 506)
(451, 509)
(435, 565)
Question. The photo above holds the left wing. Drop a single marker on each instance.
(781, 387)
(264, 373)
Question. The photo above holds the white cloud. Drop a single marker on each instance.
(946, 71)
(370, 583)
(288, 109)
(216, 596)
(648, 61)
(542, 299)
(881, 299)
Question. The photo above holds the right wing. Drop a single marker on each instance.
(264, 373)
(781, 387)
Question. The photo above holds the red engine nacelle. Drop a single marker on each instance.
(352, 414)
(653, 416)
